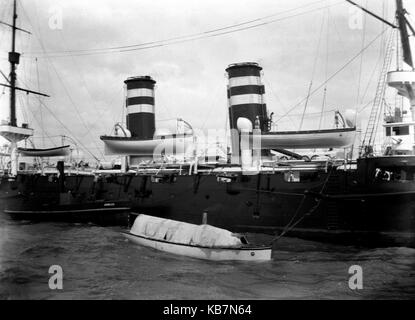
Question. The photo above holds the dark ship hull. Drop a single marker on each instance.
(83, 199)
(354, 206)
(348, 210)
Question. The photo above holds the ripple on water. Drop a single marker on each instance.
(99, 263)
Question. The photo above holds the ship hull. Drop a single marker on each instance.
(102, 213)
(334, 205)
(365, 220)
(85, 200)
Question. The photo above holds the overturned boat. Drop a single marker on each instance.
(196, 241)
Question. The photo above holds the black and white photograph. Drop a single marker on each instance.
(224, 152)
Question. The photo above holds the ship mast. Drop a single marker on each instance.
(403, 81)
(14, 60)
(10, 130)
(403, 28)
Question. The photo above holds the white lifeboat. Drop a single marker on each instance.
(310, 139)
(51, 152)
(196, 241)
(171, 144)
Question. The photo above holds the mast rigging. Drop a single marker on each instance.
(14, 60)
(372, 14)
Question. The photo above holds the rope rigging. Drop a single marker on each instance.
(334, 74)
(312, 73)
(373, 122)
(192, 37)
(66, 128)
(324, 102)
(65, 90)
(361, 59)
(292, 223)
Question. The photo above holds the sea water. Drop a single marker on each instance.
(99, 263)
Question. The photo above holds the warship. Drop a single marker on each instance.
(263, 181)
(40, 193)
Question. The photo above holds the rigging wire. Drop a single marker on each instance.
(283, 106)
(326, 68)
(45, 133)
(381, 107)
(188, 35)
(40, 106)
(335, 73)
(63, 85)
(306, 103)
(84, 84)
(323, 106)
(75, 107)
(372, 75)
(68, 130)
(313, 114)
(365, 106)
(213, 102)
(203, 35)
(312, 73)
(361, 59)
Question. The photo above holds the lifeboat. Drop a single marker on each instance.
(310, 139)
(169, 144)
(197, 241)
(51, 152)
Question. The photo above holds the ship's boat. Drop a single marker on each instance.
(62, 151)
(308, 139)
(181, 144)
(196, 241)
(173, 144)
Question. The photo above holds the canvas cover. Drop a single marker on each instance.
(183, 233)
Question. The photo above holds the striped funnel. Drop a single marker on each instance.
(140, 107)
(246, 94)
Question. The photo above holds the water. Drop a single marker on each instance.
(99, 263)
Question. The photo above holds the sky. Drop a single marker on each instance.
(298, 43)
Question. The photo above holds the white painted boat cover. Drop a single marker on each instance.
(183, 233)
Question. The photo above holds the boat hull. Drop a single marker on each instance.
(333, 138)
(352, 208)
(205, 253)
(39, 198)
(99, 213)
(150, 148)
(52, 152)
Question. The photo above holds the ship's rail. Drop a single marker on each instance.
(191, 168)
(266, 168)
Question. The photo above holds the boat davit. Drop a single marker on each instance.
(196, 241)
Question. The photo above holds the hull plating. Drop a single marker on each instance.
(324, 206)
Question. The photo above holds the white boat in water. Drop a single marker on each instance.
(196, 241)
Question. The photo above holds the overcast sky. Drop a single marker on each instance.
(289, 39)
